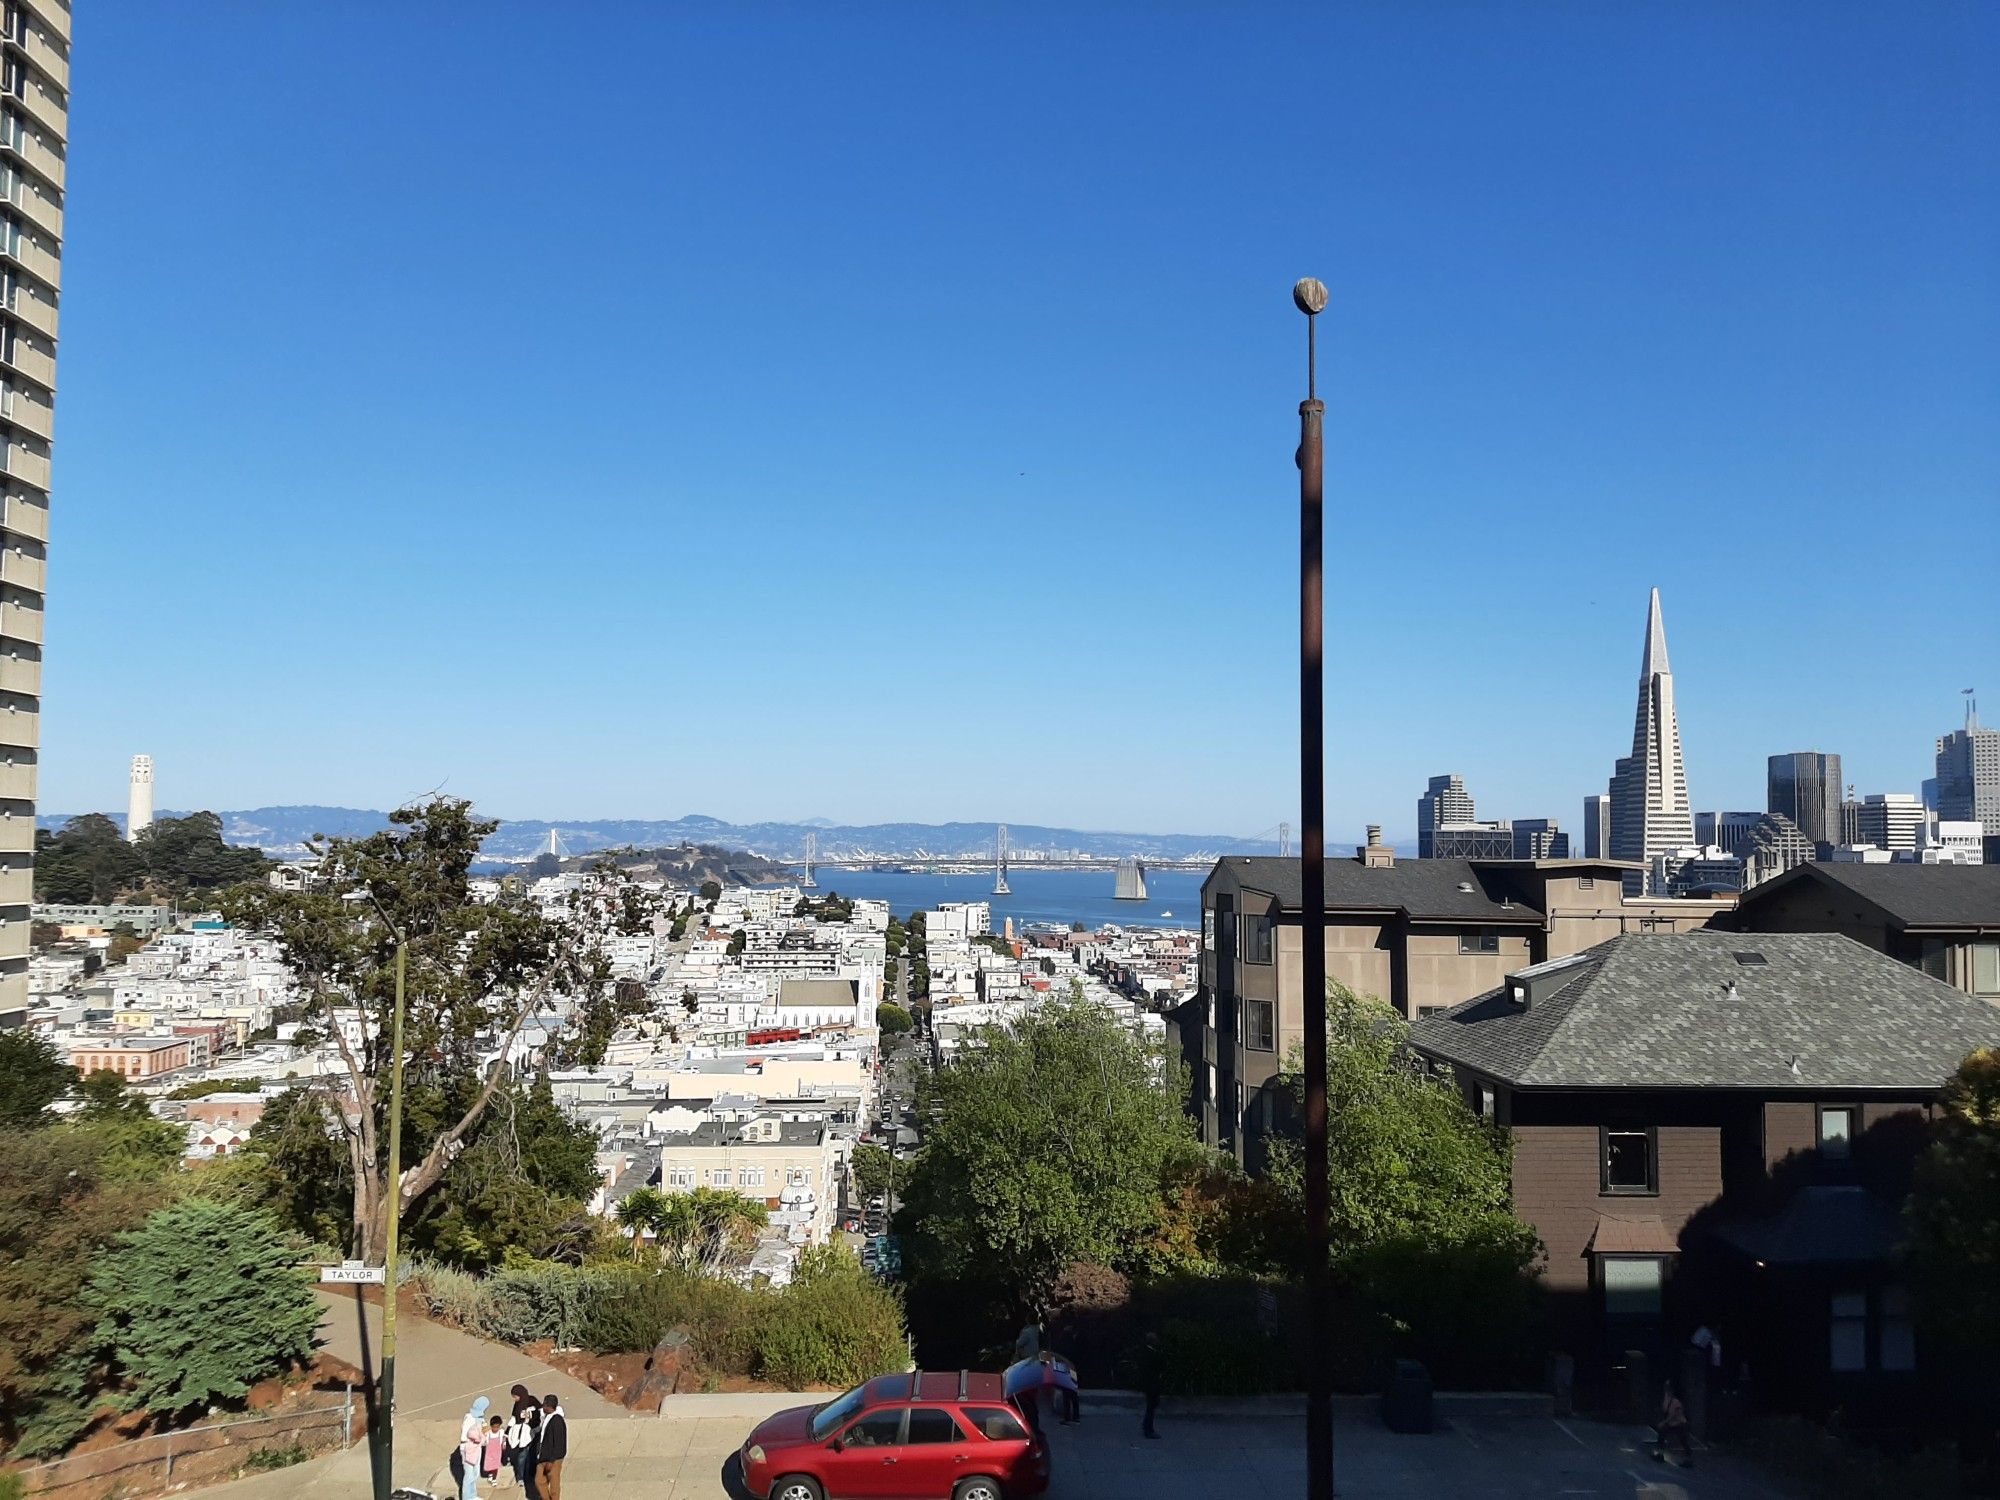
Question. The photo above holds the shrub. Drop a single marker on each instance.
(550, 1302)
(452, 1296)
(276, 1458)
(833, 1325)
(1471, 1312)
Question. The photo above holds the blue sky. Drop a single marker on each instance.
(769, 412)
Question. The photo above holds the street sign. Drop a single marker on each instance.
(353, 1272)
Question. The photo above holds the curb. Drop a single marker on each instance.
(1466, 1405)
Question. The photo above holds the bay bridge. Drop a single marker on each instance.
(1131, 869)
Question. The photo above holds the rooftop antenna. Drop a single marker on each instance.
(1971, 709)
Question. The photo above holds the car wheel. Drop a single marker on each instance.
(799, 1487)
(978, 1487)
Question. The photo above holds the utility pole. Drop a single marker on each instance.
(1309, 296)
(385, 1400)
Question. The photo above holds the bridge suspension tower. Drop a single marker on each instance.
(812, 853)
(1000, 886)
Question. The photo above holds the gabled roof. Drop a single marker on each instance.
(1683, 1011)
(1908, 895)
(1422, 889)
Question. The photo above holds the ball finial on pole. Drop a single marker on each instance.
(1309, 295)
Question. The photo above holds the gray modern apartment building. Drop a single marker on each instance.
(34, 134)
(1445, 800)
(1804, 785)
(1968, 774)
(1650, 815)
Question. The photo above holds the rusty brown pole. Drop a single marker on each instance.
(1310, 297)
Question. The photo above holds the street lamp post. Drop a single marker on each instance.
(385, 1396)
(1309, 296)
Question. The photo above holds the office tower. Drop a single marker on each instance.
(1774, 846)
(1539, 838)
(1597, 828)
(139, 804)
(1968, 774)
(1728, 831)
(1804, 785)
(1445, 800)
(34, 128)
(1649, 795)
(1889, 820)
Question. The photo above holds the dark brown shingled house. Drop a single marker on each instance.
(1714, 1129)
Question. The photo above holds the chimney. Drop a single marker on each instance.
(1375, 855)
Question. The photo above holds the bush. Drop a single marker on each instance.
(833, 1326)
(452, 1296)
(1471, 1312)
(276, 1458)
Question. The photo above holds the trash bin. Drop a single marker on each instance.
(1406, 1399)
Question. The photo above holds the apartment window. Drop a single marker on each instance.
(753, 1176)
(14, 78)
(1836, 1131)
(1260, 1025)
(720, 1177)
(680, 1177)
(12, 129)
(1626, 1162)
(1488, 1103)
(10, 234)
(1847, 1332)
(1634, 1285)
(797, 1177)
(1479, 942)
(1208, 928)
(1256, 939)
(1986, 970)
(1897, 1330)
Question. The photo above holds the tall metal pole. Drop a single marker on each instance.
(1310, 297)
(385, 1403)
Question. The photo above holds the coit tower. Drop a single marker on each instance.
(139, 809)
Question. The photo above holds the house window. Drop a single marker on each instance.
(753, 1176)
(1633, 1285)
(1488, 1104)
(1934, 958)
(1986, 970)
(1626, 1159)
(1260, 1025)
(680, 1177)
(1836, 1132)
(1847, 1331)
(719, 1178)
(798, 1177)
(1479, 942)
(1898, 1330)
(1256, 939)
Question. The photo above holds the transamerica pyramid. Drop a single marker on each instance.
(1649, 795)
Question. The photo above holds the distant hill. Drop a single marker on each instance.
(280, 831)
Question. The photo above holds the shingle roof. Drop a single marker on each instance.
(1914, 895)
(1420, 888)
(1658, 1011)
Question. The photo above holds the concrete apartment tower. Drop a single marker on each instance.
(34, 133)
(1649, 795)
(139, 805)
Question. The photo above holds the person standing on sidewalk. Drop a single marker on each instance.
(521, 1435)
(471, 1449)
(1146, 1374)
(551, 1449)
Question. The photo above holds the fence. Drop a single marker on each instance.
(199, 1455)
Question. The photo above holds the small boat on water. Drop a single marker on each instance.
(1165, 914)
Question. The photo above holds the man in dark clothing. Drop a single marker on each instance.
(551, 1448)
(1146, 1367)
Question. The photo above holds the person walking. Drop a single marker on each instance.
(471, 1454)
(1146, 1367)
(551, 1449)
(493, 1450)
(1673, 1427)
(521, 1433)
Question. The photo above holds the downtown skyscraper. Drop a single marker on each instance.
(1649, 796)
(34, 132)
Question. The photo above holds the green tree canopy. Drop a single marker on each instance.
(892, 1018)
(32, 1077)
(1954, 1217)
(872, 1166)
(477, 971)
(87, 862)
(1052, 1141)
(189, 853)
(198, 1304)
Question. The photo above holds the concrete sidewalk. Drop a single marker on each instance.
(439, 1370)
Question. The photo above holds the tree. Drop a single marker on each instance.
(44, 934)
(58, 1210)
(32, 1077)
(310, 1185)
(476, 972)
(189, 853)
(873, 1170)
(892, 1018)
(88, 862)
(123, 946)
(133, 1146)
(198, 1304)
(640, 1213)
(738, 941)
(1954, 1217)
(711, 892)
(1051, 1144)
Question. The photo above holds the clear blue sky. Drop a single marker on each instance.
(636, 409)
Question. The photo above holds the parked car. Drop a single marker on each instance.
(927, 1435)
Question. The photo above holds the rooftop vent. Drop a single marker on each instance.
(1465, 886)
(1751, 960)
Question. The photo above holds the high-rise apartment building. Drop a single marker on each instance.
(1649, 796)
(1804, 785)
(34, 132)
(1968, 774)
(1445, 800)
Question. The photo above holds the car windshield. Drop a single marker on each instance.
(830, 1417)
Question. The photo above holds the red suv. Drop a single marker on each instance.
(927, 1435)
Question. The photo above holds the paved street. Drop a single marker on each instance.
(687, 1454)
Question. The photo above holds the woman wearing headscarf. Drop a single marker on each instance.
(522, 1432)
(471, 1447)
